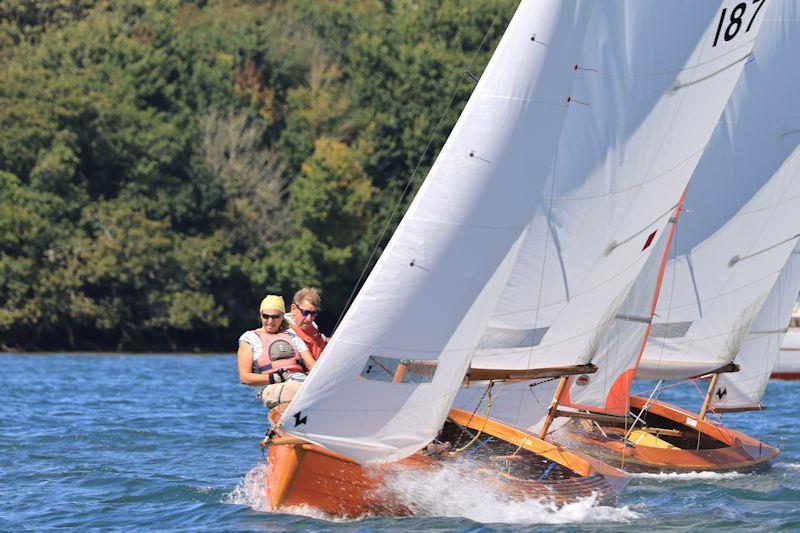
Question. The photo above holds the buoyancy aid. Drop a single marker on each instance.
(277, 353)
(315, 340)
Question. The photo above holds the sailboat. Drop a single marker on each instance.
(788, 364)
(567, 128)
(724, 290)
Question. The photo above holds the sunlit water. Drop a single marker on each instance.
(171, 443)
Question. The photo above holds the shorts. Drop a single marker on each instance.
(272, 395)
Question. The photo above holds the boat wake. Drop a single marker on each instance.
(687, 475)
(453, 491)
(456, 491)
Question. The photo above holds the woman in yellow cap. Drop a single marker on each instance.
(273, 357)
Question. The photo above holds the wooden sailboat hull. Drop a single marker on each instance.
(720, 449)
(309, 475)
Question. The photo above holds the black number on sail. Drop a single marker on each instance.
(734, 22)
(297, 420)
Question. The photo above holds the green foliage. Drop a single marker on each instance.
(163, 164)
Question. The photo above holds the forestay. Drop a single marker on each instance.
(760, 350)
(390, 373)
(740, 223)
(653, 82)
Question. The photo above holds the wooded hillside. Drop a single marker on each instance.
(165, 163)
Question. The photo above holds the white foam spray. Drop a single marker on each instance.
(664, 476)
(452, 491)
(456, 491)
(251, 490)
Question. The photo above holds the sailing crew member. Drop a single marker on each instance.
(273, 357)
(304, 309)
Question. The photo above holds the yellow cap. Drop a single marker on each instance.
(273, 301)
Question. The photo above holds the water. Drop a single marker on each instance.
(171, 443)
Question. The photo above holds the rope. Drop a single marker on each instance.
(485, 417)
(638, 418)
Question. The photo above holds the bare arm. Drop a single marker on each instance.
(308, 359)
(244, 362)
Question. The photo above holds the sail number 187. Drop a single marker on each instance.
(730, 24)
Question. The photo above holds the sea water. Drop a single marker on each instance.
(165, 442)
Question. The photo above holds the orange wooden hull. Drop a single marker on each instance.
(721, 449)
(308, 475)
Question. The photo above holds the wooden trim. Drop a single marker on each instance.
(524, 440)
(500, 374)
(724, 369)
(740, 409)
(612, 419)
(284, 441)
(663, 431)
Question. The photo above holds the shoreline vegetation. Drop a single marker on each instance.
(163, 165)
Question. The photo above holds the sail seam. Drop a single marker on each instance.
(479, 226)
(638, 185)
(735, 289)
(527, 100)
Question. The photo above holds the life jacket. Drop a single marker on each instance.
(316, 341)
(277, 353)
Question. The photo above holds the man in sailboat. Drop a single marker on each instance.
(304, 309)
(273, 357)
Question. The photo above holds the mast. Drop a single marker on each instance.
(711, 386)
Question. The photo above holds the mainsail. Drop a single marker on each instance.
(654, 84)
(759, 351)
(741, 222)
(391, 371)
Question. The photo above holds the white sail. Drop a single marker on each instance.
(391, 371)
(655, 80)
(618, 354)
(740, 223)
(759, 351)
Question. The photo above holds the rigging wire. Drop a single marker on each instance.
(465, 73)
(471, 416)
(485, 417)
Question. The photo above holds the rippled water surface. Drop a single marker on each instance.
(171, 442)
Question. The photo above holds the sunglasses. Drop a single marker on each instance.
(265, 316)
(306, 312)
